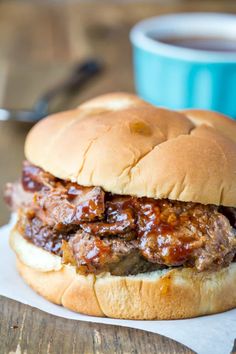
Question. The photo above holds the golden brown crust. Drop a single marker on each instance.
(179, 293)
(127, 146)
(81, 296)
(213, 119)
(63, 287)
(167, 294)
(115, 101)
(50, 285)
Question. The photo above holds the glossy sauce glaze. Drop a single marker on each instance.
(101, 228)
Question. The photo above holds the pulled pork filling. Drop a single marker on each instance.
(97, 231)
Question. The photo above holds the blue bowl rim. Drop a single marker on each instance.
(140, 39)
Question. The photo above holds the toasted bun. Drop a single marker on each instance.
(127, 146)
(167, 294)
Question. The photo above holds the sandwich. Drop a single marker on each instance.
(127, 210)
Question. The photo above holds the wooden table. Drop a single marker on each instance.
(39, 44)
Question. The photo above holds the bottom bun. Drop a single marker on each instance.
(167, 294)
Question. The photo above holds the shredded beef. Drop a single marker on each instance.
(99, 232)
(34, 178)
(62, 204)
(41, 235)
(114, 255)
(185, 233)
(107, 229)
(15, 196)
(58, 209)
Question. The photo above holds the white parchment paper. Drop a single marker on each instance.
(210, 334)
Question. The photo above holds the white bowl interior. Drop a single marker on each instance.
(200, 24)
(146, 33)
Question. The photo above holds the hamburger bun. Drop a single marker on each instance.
(165, 294)
(128, 147)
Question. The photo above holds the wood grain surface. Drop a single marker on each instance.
(40, 41)
(26, 330)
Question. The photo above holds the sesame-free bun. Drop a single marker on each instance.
(125, 145)
(212, 119)
(167, 294)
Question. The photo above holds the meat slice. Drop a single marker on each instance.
(175, 233)
(95, 255)
(34, 178)
(41, 235)
(219, 244)
(90, 204)
(119, 221)
(60, 209)
(53, 208)
(121, 208)
(99, 231)
(120, 228)
(16, 197)
(61, 203)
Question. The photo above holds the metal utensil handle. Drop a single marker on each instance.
(80, 75)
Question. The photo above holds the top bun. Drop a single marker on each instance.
(126, 146)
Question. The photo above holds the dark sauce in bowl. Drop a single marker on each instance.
(211, 44)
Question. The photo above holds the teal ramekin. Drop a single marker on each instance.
(178, 78)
